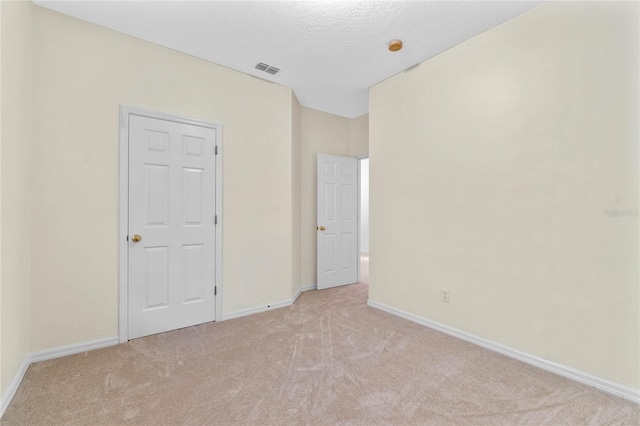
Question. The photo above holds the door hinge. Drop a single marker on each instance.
(216, 150)
(215, 221)
(215, 290)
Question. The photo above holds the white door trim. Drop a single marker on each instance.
(360, 158)
(123, 210)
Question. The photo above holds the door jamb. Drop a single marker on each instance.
(123, 210)
(360, 158)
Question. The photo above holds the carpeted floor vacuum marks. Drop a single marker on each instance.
(328, 359)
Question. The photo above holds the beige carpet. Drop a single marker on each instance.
(329, 359)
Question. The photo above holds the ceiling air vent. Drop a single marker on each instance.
(267, 68)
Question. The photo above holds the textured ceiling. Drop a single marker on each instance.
(329, 52)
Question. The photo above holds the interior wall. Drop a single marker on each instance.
(364, 205)
(82, 74)
(506, 171)
(2, 387)
(360, 136)
(322, 133)
(296, 196)
(15, 185)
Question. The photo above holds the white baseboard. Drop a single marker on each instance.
(302, 290)
(568, 372)
(256, 310)
(308, 288)
(269, 307)
(13, 386)
(295, 296)
(46, 355)
(73, 349)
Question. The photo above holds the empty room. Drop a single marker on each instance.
(308, 212)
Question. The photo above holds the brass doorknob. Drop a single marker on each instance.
(322, 228)
(136, 238)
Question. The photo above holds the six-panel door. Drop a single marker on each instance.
(337, 221)
(172, 209)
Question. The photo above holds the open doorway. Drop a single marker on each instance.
(363, 168)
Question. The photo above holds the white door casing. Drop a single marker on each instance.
(337, 221)
(172, 207)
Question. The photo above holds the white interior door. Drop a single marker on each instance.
(171, 225)
(337, 216)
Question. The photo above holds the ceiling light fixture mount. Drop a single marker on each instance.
(395, 45)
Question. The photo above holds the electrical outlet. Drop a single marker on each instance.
(445, 295)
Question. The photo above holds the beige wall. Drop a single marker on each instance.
(296, 197)
(360, 136)
(2, 387)
(64, 177)
(82, 74)
(15, 186)
(493, 166)
(322, 133)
